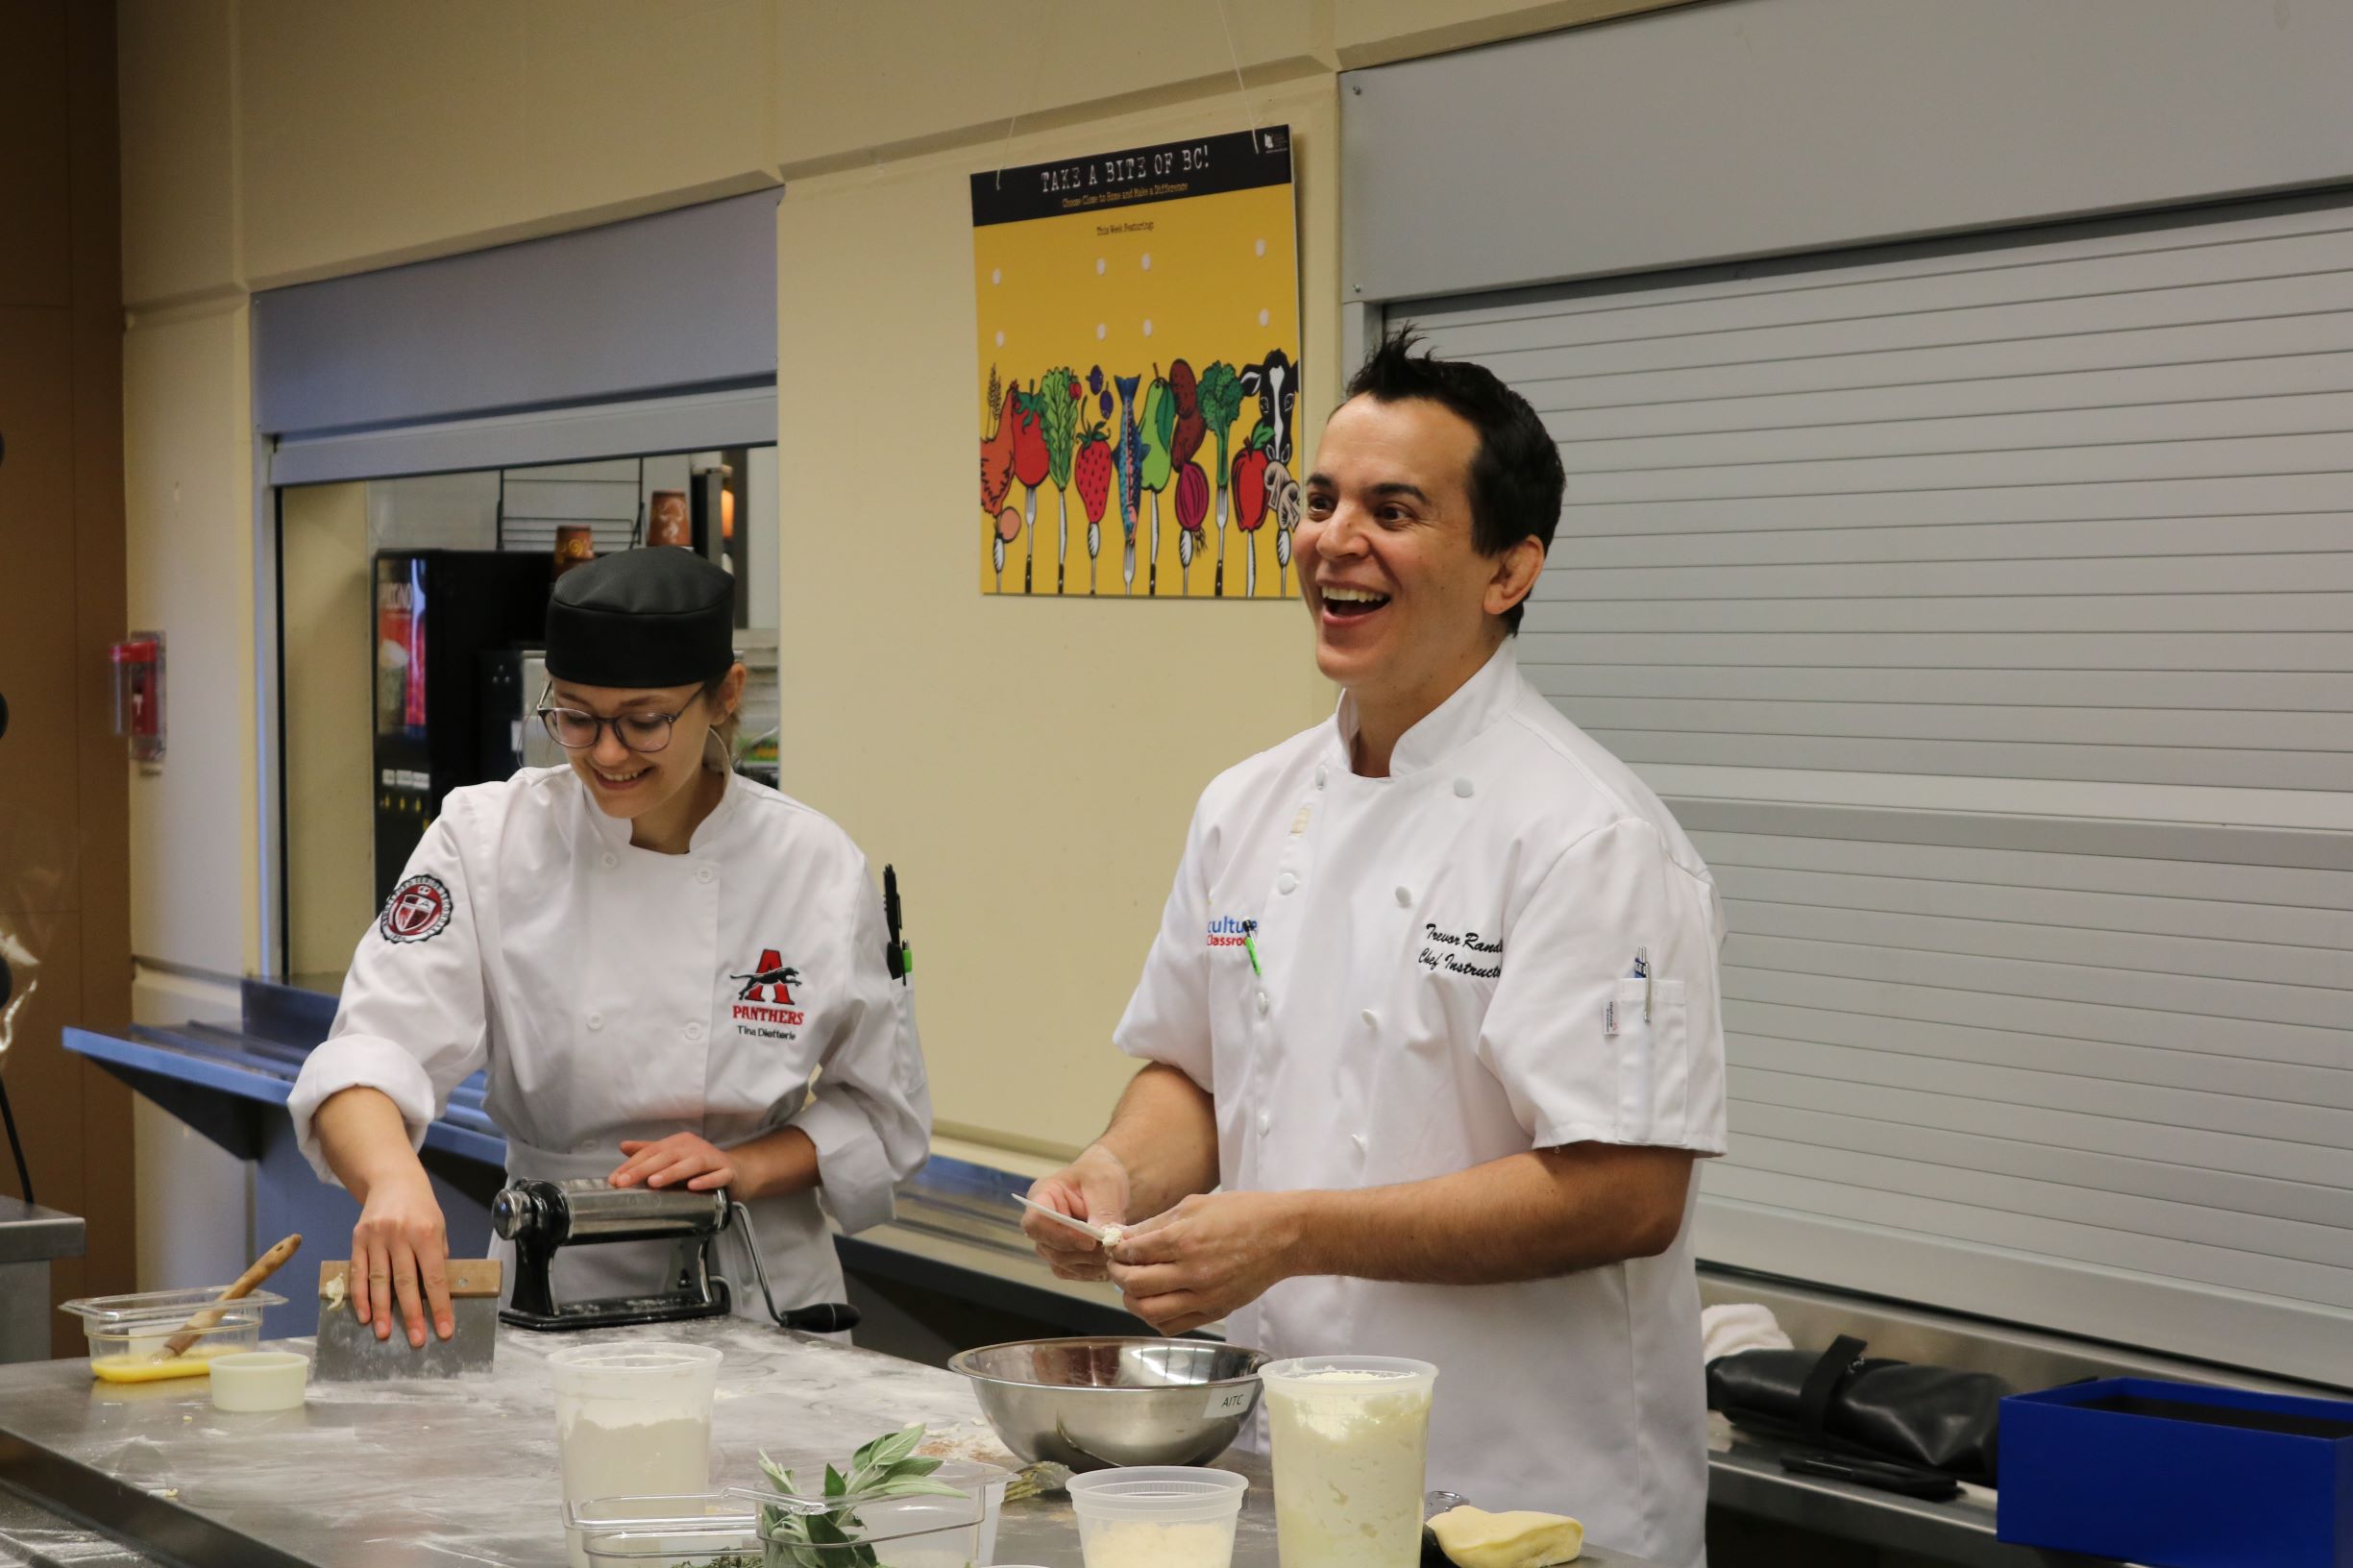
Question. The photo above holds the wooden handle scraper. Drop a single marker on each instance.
(349, 1351)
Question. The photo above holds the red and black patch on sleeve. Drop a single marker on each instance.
(419, 910)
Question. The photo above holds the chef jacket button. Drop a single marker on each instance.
(1372, 1020)
(596, 1020)
(1358, 1139)
(704, 874)
(1319, 776)
(607, 860)
(1285, 882)
(694, 1031)
(1265, 1122)
(1462, 788)
(1264, 1004)
(1405, 897)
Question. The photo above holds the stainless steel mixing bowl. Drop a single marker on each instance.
(1093, 1403)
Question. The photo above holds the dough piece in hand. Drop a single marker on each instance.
(1475, 1539)
(1112, 1236)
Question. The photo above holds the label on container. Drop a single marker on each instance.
(1229, 1401)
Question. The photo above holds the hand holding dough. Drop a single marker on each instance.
(1475, 1539)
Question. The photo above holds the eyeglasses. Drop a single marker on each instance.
(577, 731)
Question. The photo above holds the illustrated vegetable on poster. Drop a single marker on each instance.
(1130, 466)
(1058, 395)
(1172, 274)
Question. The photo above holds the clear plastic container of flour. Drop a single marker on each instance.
(1350, 1437)
(633, 1418)
(1158, 1516)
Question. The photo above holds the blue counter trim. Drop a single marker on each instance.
(188, 1069)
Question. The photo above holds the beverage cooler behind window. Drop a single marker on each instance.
(448, 623)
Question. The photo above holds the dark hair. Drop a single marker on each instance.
(1516, 479)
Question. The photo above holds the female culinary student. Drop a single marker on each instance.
(650, 954)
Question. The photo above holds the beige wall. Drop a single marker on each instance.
(389, 131)
(1375, 32)
(325, 606)
(1028, 765)
(188, 493)
(268, 141)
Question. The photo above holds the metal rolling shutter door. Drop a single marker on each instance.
(1985, 609)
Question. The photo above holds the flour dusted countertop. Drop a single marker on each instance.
(443, 1475)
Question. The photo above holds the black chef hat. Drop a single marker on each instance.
(659, 616)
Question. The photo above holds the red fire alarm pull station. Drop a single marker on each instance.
(139, 694)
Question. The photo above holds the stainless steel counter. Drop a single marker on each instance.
(32, 1536)
(424, 1475)
(30, 1237)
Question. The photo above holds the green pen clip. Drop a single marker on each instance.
(1250, 945)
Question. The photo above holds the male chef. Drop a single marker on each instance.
(1430, 1026)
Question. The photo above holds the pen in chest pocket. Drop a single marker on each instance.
(1642, 972)
(1250, 945)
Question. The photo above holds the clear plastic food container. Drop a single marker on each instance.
(903, 1532)
(707, 1530)
(1158, 1516)
(984, 1483)
(127, 1334)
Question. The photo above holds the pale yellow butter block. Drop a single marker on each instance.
(1475, 1539)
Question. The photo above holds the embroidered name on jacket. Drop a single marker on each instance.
(1460, 952)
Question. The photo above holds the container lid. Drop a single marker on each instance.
(144, 1307)
(1167, 1492)
(880, 1518)
(668, 1544)
(653, 1356)
(660, 1511)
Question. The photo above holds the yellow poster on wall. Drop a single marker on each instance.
(1139, 371)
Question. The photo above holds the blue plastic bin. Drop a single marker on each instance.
(2179, 1476)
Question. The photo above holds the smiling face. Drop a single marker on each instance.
(646, 788)
(1406, 608)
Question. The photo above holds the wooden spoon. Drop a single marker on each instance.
(264, 1266)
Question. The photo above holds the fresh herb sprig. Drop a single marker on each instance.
(885, 1468)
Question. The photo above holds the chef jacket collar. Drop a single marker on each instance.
(613, 832)
(1446, 728)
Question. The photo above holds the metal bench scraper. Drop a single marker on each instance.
(349, 1351)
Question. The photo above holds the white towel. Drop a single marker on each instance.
(1739, 1326)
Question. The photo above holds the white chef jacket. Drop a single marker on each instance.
(1448, 959)
(615, 992)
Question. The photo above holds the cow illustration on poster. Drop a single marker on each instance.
(1170, 273)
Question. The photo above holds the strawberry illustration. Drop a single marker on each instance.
(1091, 470)
(1250, 504)
(1032, 462)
